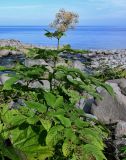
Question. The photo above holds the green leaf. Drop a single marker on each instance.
(37, 106)
(8, 84)
(92, 150)
(2, 68)
(10, 152)
(54, 135)
(13, 118)
(46, 124)
(93, 136)
(39, 152)
(66, 148)
(32, 120)
(80, 123)
(50, 99)
(70, 135)
(65, 121)
(58, 102)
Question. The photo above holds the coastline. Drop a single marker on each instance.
(98, 57)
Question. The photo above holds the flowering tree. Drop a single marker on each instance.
(63, 21)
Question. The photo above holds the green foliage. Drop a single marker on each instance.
(8, 48)
(46, 54)
(47, 125)
(74, 51)
(108, 73)
(67, 46)
(57, 34)
(123, 152)
(42, 53)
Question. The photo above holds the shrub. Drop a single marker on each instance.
(45, 124)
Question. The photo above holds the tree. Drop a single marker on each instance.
(56, 34)
(63, 21)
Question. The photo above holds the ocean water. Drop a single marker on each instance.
(82, 37)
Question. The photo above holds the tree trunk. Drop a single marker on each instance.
(58, 44)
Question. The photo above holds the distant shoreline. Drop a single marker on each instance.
(14, 42)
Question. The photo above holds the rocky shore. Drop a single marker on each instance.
(110, 110)
(112, 58)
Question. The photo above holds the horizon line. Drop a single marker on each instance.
(50, 27)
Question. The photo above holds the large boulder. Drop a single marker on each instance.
(111, 109)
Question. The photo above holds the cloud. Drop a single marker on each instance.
(22, 7)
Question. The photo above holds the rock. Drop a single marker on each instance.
(3, 78)
(31, 62)
(90, 116)
(122, 85)
(111, 58)
(17, 104)
(119, 143)
(77, 64)
(110, 109)
(45, 84)
(11, 42)
(9, 52)
(81, 103)
(120, 130)
(4, 53)
(95, 64)
(88, 105)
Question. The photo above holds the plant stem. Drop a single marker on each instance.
(58, 44)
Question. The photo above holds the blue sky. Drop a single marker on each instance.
(42, 12)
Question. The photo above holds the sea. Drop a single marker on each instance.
(82, 37)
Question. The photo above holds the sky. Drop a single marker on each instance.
(42, 12)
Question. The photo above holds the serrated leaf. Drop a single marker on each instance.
(13, 118)
(80, 123)
(37, 106)
(90, 149)
(46, 124)
(66, 148)
(65, 121)
(53, 135)
(70, 135)
(58, 102)
(50, 99)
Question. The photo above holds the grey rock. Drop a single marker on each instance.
(45, 84)
(90, 116)
(81, 103)
(122, 85)
(120, 130)
(110, 109)
(88, 105)
(77, 64)
(10, 42)
(112, 58)
(17, 105)
(119, 143)
(4, 53)
(3, 78)
(31, 62)
(9, 52)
